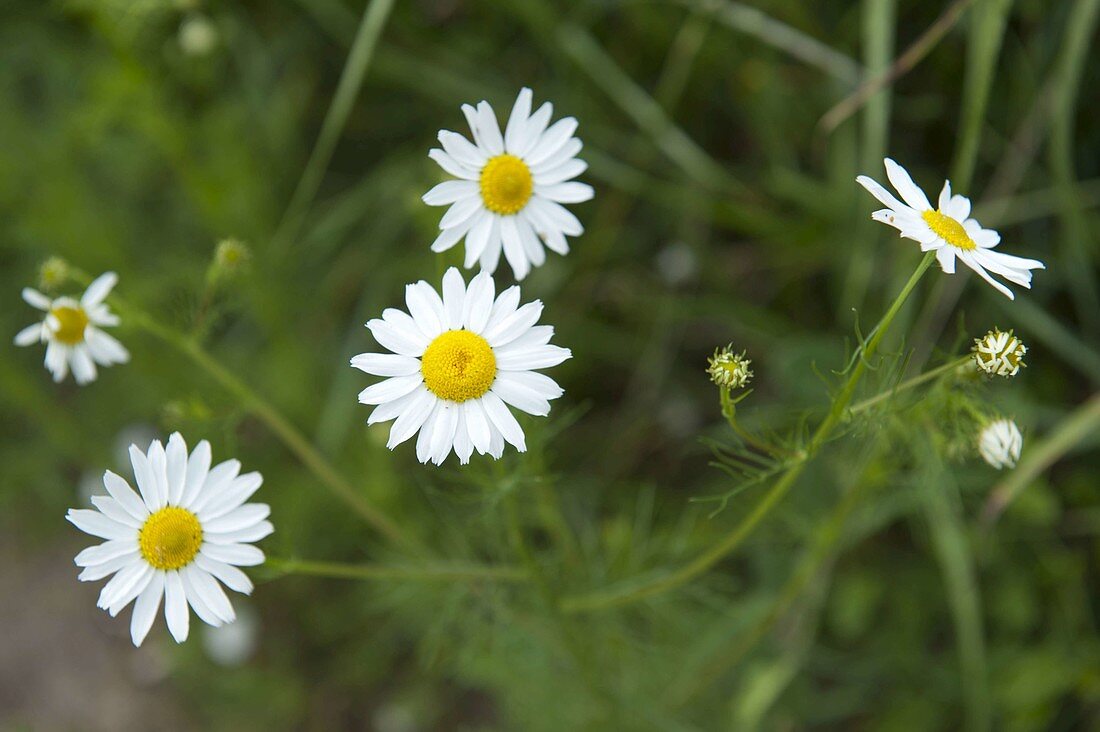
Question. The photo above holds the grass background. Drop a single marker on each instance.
(873, 597)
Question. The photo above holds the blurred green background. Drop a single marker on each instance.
(136, 134)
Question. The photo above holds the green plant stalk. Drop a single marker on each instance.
(439, 571)
(612, 598)
(927, 376)
(351, 79)
(283, 429)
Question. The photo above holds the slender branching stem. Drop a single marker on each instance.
(430, 572)
(618, 596)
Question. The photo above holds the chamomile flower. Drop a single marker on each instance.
(189, 529)
(728, 369)
(1000, 443)
(999, 353)
(458, 362)
(511, 187)
(72, 331)
(948, 230)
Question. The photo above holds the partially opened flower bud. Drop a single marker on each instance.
(999, 353)
(729, 369)
(1000, 443)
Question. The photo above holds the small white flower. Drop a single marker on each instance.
(458, 361)
(947, 230)
(189, 529)
(999, 353)
(72, 331)
(1000, 443)
(510, 186)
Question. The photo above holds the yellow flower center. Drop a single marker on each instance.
(73, 321)
(948, 229)
(458, 365)
(170, 538)
(506, 184)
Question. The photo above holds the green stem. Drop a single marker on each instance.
(351, 79)
(909, 384)
(613, 597)
(428, 572)
(283, 429)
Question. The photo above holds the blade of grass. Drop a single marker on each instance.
(347, 90)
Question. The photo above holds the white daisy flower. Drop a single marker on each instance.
(72, 331)
(999, 353)
(948, 230)
(458, 361)
(510, 186)
(189, 529)
(1000, 443)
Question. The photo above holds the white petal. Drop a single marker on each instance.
(461, 212)
(99, 289)
(36, 299)
(507, 329)
(552, 141)
(503, 307)
(536, 126)
(479, 302)
(104, 348)
(114, 564)
(196, 601)
(449, 192)
(133, 589)
(96, 524)
(390, 389)
(105, 552)
(57, 360)
(532, 246)
(884, 196)
(521, 397)
(217, 481)
(30, 335)
(903, 184)
(242, 555)
(175, 606)
(490, 257)
(534, 358)
(198, 468)
(386, 364)
(407, 341)
(443, 432)
(389, 410)
(113, 510)
(499, 415)
(571, 192)
(568, 151)
(969, 262)
(158, 465)
(247, 535)
(561, 173)
(211, 594)
(227, 574)
(449, 237)
(412, 417)
(237, 492)
(462, 150)
(426, 308)
(477, 425)
(176, 467)
(454, 296)
(946, 257)
(121, 491)
(958, 208)
(489, 129)
(452, 166)
(479, 237)
(145, 609)
(463, 447)
(84, 370)
(424, 439)
(562, 218)
(515, 133)
(239, 518)
(119, 586)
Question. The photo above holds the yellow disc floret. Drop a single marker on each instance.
(506, 184)
(72, 321)
(948, 229)
(170, 538)
(458, 365)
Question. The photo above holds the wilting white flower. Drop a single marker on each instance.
(1000, 443)
(510, 186)
(999, 353)
(72, 331)
(948, 230)
(458, 361)
(233, 644)
(189, 529)
(729, 369)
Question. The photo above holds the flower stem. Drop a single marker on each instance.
(613, 597)
(428, 572)
(909, 384)
(283, 429)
